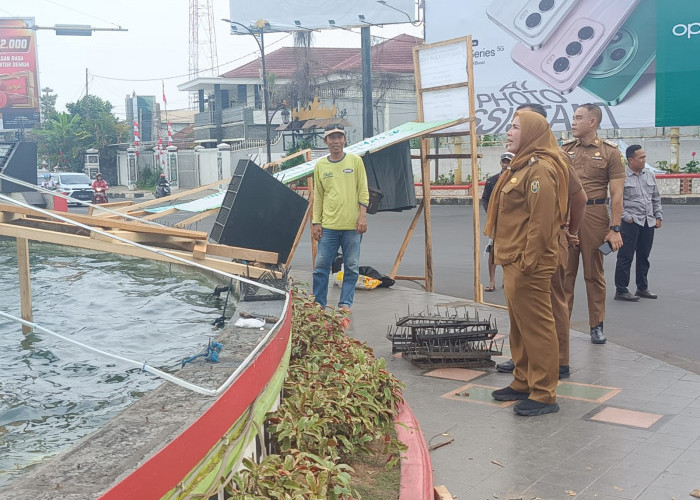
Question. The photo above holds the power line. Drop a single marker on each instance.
(81, 12)
(187, 74)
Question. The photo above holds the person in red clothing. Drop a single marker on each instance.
(99, 185)
(99, 182)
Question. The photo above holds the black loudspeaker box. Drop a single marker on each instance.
(18, 160)
(259, 212)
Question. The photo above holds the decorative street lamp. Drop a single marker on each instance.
(258, 30)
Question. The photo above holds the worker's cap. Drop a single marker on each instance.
(332, 129)
(507, 156)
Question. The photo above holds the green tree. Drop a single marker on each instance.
(61, 139)
(89, 123)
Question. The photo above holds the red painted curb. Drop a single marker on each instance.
(167, 467)
(416, 467)
(678, 176)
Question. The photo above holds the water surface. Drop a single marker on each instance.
(53, 393)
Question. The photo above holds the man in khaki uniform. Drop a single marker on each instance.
(599, 165)
(525, 214)
(568, 236)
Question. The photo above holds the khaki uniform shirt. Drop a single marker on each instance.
(595, 164)
(528, 222)
(574, 187)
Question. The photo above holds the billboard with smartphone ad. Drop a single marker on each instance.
(19, 85)
(637, 59)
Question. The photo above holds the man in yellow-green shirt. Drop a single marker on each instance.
(340, 215)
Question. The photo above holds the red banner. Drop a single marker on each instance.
(19, 82)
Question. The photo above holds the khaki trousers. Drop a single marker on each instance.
(560, 307)
(594, 228)
(533, 339)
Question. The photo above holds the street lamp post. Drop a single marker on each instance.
(258, 30)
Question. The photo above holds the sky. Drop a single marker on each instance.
(152, 53)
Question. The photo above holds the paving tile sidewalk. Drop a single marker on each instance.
(628, 427)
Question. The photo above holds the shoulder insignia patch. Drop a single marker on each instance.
(610, 143)
(535, 186)
(533, 160)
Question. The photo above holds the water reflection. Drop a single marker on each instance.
(53, 393)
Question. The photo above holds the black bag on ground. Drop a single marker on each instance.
(373, 273)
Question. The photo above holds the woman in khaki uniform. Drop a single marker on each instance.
(525, 214)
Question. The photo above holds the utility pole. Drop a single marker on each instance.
(87, 94)
(366, 43)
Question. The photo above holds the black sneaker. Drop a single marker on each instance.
(532, 408)
(646, 294)
(564, 371)
(626, 296)
(506, 366)
(508, 394)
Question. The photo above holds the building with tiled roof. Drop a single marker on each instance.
(334, 76)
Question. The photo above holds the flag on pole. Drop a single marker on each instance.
(170, 135)
(164, 99)
(161, 155)
(137, 139)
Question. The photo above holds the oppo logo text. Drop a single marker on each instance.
(686, 30)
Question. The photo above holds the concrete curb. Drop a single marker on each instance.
(416, 466)
(125, 195)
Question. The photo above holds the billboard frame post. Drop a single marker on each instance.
(445, 92)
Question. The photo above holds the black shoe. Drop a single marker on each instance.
(597, 335)
(506, 366)
(532, 408)
(564, 371)
(628, 297)
(646, 294)
(508, 394)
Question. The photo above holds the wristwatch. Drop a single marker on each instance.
(615, 228)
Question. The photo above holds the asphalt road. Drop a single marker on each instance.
(665, 329)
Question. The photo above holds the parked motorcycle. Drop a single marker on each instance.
(100, 196)
(162, 190)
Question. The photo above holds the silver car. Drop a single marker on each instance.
(74, 184)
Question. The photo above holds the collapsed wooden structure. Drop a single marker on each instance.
(111, 227)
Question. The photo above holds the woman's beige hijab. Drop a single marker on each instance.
(536, 139)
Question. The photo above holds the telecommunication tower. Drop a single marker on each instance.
(202, 42)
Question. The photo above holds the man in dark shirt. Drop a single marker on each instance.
(485, 197)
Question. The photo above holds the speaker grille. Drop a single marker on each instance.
(259, 212)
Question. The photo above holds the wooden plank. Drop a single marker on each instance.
(411, 278)
(444, 87)
(425, 172)
(200, 250)
(158, 215)
(406, 239)
(197, 217)
(445, 156)
(305, 152)
(442, 493)
(240, 253)
(314, 243)
(111, 206)
(298, 236)
(110, 223)
(425, 175)
(25, 283)
(154, 240)
(174, 196)
(117, 247)
(478, 289)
